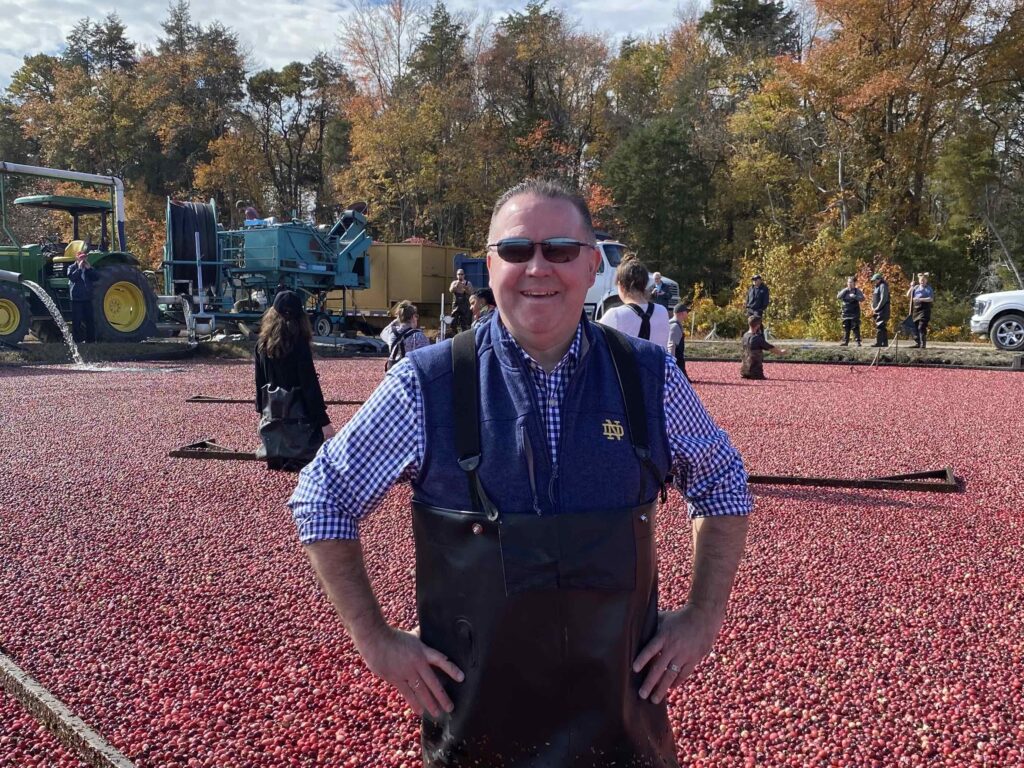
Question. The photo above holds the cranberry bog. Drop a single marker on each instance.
(167, 603)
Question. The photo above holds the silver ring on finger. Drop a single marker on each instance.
(675, 668)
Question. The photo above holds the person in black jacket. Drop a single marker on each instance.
(849, 299)
(660, 293)
(880, 308)
(284, 361)
(81, 276)
(757, 297)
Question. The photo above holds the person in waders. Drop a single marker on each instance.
(293, 416)
(880, 309)
(849, 310)
(81, 276)
(461, 289)
(922, 296)
(754, 346)
(537, 447)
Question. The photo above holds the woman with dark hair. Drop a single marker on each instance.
(638, 316)
(294, 421)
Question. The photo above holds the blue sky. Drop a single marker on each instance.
(279, 31)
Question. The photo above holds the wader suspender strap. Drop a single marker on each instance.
(636, 414)
(466, 391)
(645, 319)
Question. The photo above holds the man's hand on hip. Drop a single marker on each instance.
(686, 636)
(398, 657)
(683, 639)
(404, 661)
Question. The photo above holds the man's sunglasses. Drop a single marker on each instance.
(557, 250)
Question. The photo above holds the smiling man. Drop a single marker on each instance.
(537, 447)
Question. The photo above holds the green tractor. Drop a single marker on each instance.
(124, 303)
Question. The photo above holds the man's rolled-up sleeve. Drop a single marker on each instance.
(352, 473)
(708, 469)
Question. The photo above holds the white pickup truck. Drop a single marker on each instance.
(1000, 316)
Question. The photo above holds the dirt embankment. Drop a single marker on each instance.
(801, 351)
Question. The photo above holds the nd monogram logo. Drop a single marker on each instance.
(613, 429)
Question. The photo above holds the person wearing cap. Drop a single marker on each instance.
(754, 346)
(757, 297)
(880, 309)
(921, 297)
(677, 336)
(849, 310)
(285, 371)
(540, 638)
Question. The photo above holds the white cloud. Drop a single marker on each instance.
(275, 32)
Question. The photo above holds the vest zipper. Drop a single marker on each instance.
(573, 380)
(528, 449)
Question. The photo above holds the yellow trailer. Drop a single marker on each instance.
(420, 273)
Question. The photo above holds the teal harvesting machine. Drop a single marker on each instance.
(218, 278)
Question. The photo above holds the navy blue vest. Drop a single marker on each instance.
(596, 468)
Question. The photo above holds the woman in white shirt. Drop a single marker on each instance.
(638, 316)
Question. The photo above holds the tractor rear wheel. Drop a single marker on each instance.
(124, 304)
(14, 314)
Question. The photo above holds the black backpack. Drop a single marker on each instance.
(397, 350)
(645, 319)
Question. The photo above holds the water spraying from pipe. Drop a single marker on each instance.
(57, 318)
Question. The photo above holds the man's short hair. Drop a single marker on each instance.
(680, 307)
(485, 294)
(551, 190)
(754, 321)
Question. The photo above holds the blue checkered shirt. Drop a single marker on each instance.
(384, 443)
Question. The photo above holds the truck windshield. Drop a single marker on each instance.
(614, 252)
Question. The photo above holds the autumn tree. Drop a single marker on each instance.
(541, 79)
(14, 147)
(377, 41)
(651, 175)
(752, 28)
(80, 108)
(96, 47)
(297, 119)
(190, 87)
(439, 58)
